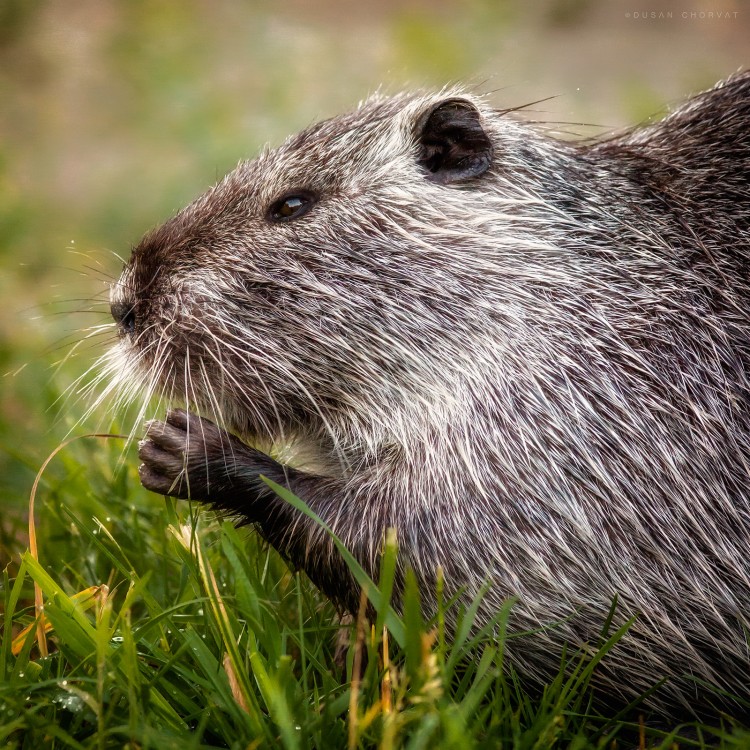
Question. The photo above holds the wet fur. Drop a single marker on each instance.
(536, 369)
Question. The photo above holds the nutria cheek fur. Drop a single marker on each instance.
(530, 357)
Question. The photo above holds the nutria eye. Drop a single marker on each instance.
(291, 206)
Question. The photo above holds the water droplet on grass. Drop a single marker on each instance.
(69, 701)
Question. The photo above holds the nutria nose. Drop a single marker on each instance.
(124, 315)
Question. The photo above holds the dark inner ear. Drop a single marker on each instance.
(453, 145)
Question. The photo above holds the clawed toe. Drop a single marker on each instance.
(164, 484)
(160, 457)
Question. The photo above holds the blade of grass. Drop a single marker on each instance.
(391, 619)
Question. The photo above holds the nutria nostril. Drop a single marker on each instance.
(124, 315)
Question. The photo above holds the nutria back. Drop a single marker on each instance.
(528, 356)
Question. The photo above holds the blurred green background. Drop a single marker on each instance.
(115, 114)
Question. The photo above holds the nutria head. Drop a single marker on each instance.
(335, 280)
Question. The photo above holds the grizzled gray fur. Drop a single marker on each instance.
(531, 357)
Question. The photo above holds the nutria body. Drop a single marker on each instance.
(528, 356)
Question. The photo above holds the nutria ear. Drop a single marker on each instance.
(453, 144)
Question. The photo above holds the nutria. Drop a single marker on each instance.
(529, 356)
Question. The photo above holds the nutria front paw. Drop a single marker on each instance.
(190, 457)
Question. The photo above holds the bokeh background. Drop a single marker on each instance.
(115, 114)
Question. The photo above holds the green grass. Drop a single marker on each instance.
(201, 637)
